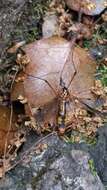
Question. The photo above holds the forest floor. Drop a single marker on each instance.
(22, 21)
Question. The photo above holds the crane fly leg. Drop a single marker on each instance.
(64, 100)
(88, 107)
(68, 60)
(44, 80)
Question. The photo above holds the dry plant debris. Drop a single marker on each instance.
(4, 127)
(64, 19)
(15, 47)
(89, 7)
(10, 139)
(7, 160)
(64, 23)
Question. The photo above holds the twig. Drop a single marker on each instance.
(6, 142)
(9, 129)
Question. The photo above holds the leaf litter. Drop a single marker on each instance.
(41, 67)
(11, 139)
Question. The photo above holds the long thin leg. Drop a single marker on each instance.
(44, 80)
(91, 109)
(75, 37)
(71, 52)
(75, 72)
(72, 43)
(62, 83)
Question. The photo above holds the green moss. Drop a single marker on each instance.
(91, 140)
(68, 139)
(37, 178)
(92, 167)
(87, 44)
(103, 74)
(78, 137)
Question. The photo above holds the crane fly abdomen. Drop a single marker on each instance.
(62, 116)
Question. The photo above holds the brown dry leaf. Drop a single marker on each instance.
(77, 139)
(40, 148)
(47, 57)
(18, 140)
(65, 22)
(98, 89)
(22, 59)
(22, 99)
(5, 168)
(83, 30)
(89, 7)
(7, 137)
(104, 16)
(84, 123)
(15, 47)
(105, 61)
(4, 127)
(105, 105)
(1, 172)
(14, 145)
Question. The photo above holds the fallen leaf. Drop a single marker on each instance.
(4, 127)
(41, 85)
(15, 47)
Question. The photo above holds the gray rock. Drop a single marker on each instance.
(99, 52)
(13, 3)
(50, 25)
(70, 172)
(60, 166)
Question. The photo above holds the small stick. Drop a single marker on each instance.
(10, 125)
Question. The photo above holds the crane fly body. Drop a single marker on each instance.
(62, 111)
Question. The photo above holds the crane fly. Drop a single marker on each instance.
(64, 96)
